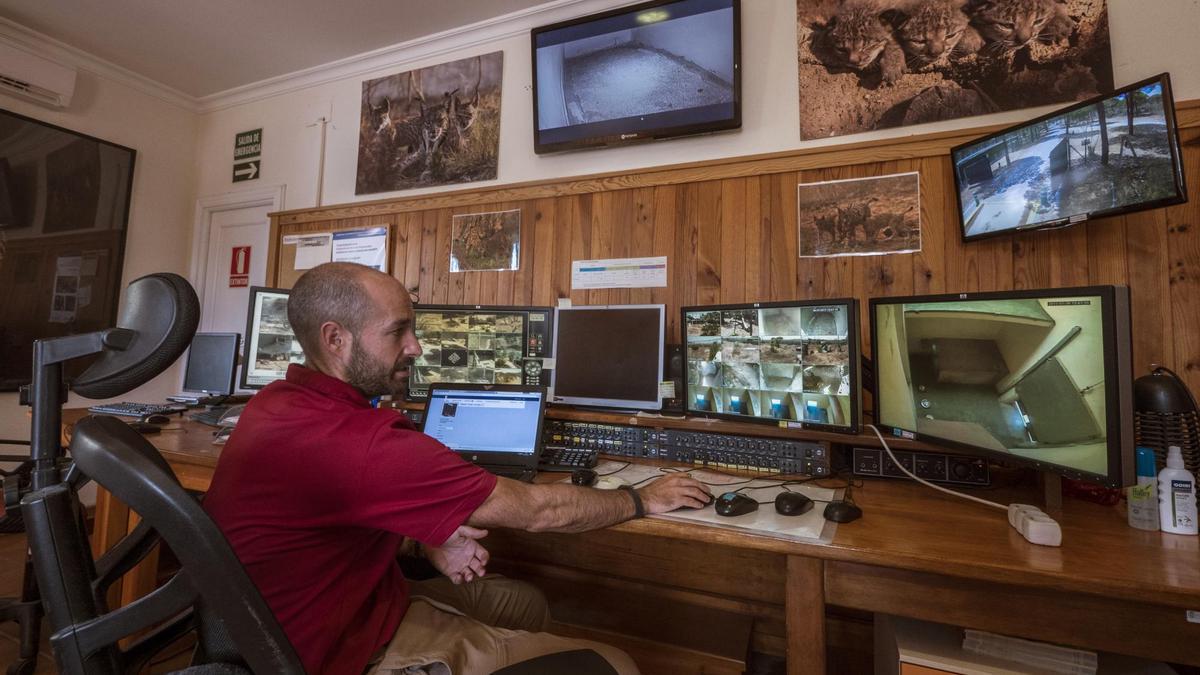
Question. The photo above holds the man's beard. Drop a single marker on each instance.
(374, 378)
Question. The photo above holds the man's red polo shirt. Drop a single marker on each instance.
(315, 491)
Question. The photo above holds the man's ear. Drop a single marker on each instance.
(335, 339)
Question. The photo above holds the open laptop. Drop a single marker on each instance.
(496, 427)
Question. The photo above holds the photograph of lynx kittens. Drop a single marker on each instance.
(437, 125)
(877, 64)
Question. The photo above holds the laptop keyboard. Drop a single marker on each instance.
(567, 459)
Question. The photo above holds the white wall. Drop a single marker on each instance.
(1148, 38)
(160, 218)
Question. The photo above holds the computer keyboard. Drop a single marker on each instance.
(138, 410)
(567, 459)
(211, 416)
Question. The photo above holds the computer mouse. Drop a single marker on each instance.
(735, 504)
(157, 419)
(792, 504)
(145, 428)
(608, 483)
(585, 477)
(842, 512)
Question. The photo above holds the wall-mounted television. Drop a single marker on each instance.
(1040, 377)
(64, 207)
(1108, 155)
(655, 70)
(793, 364)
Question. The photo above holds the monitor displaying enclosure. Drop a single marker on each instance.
(1112, 154)
(653, 70)
(473, 344)
(609, 356)
(1033, 377)
(270, 343)
(787, 363)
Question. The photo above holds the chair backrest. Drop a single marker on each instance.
(211, 593)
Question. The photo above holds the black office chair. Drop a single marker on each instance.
(25, 610)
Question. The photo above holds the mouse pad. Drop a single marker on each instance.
(810, 526)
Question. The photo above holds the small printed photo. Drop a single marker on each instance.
(429, 357)
(704, 351)
(779, 376)
(741, 376)
(427, 375)
(480, 375)
(455, 375)
(481, 359)
(826, 322)
(739, 323)
(507, 359)
(745, 350)
(454, 358)
(428, 322)
(479, 341)
(781, 321)
(507, 342)
(860, 216)
(826, 353)
(66, 284)
(455, 323)
(510, 323)
(704, 373)
(704, 324)
(508, 376)
(484, 242)
(825, 379)
(455, 340)
(482, 323)
(781, 350)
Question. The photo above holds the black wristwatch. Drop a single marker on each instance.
(639, 509)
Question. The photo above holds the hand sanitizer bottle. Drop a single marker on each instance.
(1176, 495)
(1143, 497)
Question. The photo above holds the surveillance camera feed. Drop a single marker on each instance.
(270, 344)
(468, 345)
(1022, 377)
(647, 68)
(1117, 154)
(771, 363)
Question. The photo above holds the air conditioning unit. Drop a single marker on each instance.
(25, 74)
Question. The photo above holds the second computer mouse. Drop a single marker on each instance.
(792, 504)
(842, 512)
(735, 504)
(157, 419)
(585, 477)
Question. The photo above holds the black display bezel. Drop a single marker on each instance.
(1176, 157)
(1117, 383)
(852, 338)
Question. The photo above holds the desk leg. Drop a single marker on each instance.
(113, 521)
(805, 607)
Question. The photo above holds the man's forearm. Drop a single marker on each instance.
(566, 508)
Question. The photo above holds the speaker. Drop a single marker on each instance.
(676, 372)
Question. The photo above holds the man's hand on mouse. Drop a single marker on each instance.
(675, 491)
(461, 558)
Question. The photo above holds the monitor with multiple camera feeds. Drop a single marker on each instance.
(1112, 154)
(1033, 377)
(270, 345)
(654, 70)
(788, 363)
(471, 344)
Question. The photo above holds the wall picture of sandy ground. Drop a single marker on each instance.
(433, 126)
(485, 241)
(860, 216)
(877, 64)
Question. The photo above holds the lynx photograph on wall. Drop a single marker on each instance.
(438, 125)
(860, 216)
(878, 64)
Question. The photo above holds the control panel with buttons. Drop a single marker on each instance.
(711, 450)
(932, 466)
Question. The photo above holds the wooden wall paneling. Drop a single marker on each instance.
(1150, 273)
(427, 285)
(708, 243)
(665, 233)
(604, 231)
(561, 262)
(414, 239)
(1108, 251)
(758, 240)
(541, 261)
(521, 291)
(1031, 261)
(896, 269)
(688, 229)
(1183, 243)
(734, 241)
(810, 272)
(938, 221)
(579, 218)
(641, 239)
(783, 233)
(1069, 257)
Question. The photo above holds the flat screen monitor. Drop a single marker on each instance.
(654, 70)
(211, 364)
(609, 356)
(270, 343)
(475, 344)
(1041, 378)
(793, 364)
(1112, 154)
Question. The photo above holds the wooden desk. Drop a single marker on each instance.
(915, 553)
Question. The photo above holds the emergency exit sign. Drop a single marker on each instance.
(247, 151)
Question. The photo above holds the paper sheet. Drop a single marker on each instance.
(311, 249)
(365, 247)
(619, 273)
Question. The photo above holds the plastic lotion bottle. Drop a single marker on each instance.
(1143, 497)
(1176, 495)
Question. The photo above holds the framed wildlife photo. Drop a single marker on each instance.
(860, 216)
(438, 125)
(877, 64)
(486, 242)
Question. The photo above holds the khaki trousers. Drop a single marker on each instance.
(476, 629)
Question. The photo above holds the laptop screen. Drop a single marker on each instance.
(485, 421)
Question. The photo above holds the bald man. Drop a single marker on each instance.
(317, 491)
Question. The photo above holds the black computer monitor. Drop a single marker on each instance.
(609, 356)
(211, 364)
(794, 364)
(476, 344)
(1039, 377)
(270, 343)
